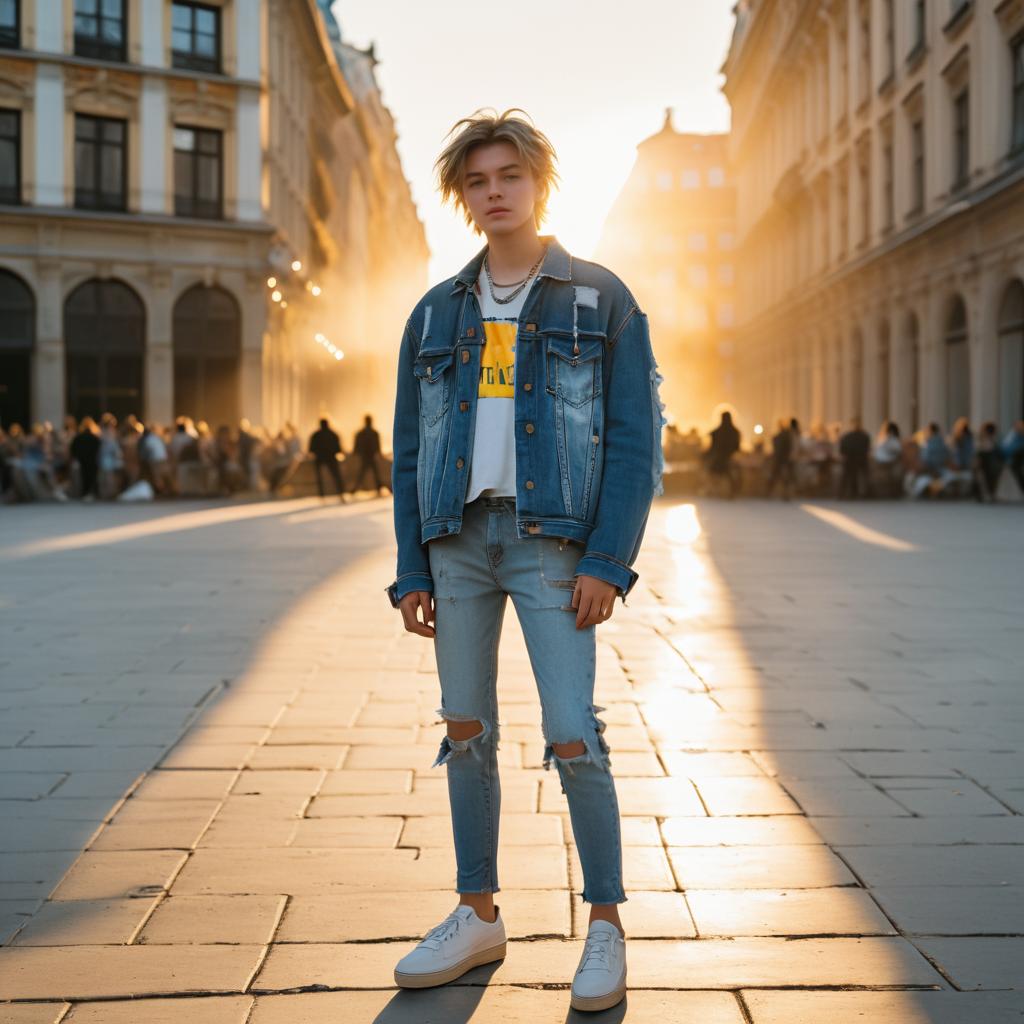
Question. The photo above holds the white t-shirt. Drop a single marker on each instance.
(492, 470)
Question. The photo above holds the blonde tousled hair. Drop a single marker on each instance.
(486, 126)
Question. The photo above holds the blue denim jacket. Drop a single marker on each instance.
(587, 414)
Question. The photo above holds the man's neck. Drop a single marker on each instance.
(510, 257)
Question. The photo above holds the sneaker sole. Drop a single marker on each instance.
(599, 1002)
(484, 956)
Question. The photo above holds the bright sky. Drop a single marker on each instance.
(595, 76)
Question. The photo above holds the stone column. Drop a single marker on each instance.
(160, 351)
(871, 409)
(933, 354)
(49, 141)
(154, 195)
(983, 315)
(48, 369)
(817, 410)
(254, 328)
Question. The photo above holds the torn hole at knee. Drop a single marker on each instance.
(463, 733)
(565, 750)
(465, 730)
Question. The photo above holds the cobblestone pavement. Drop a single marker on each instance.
(218, 805)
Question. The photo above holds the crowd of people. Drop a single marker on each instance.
(833, 461)
(132, 460)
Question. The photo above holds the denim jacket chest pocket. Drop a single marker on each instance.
(434, 372)
(573, 366)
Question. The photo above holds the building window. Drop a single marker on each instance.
(716, 177)
(864, 184)
(100, 29)
(920, 27)
(917, 166)
(697, 241)
(887, 184)
(100, 162)
(664, 180)
(1017, 51)
(698, 275)
(961, 139)
(197, 172)
(726, 240)
(724, 314)
(864, 69)
(9, 24)
(843, 211)
(196, 37)
(690, 178)
(890, 38)
(10, 156)
(725, 273)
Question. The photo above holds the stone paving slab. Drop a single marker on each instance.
(885, 1007)
(816, 746)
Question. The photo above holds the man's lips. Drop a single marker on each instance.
(497, 209)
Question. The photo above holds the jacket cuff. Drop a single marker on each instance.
(609, 569)
(407, 584)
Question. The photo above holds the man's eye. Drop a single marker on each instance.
(512, 177)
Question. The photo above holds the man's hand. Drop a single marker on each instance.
(594, 600)
(410, 604)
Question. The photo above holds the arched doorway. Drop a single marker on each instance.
(17, 340)
(958, 363)
(1011, 355)
(207, 355)
(105, 348)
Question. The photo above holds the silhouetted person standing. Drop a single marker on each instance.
(854, 447)
(782, 461)
(85, 450)
(325, 447)
(725, 443)
(366, 448)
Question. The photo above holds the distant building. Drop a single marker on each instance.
(199, 202)
(879, 153)
(671, 236)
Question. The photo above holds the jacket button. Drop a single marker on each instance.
(465, 355)
(471, 332)
(459, 463)
(529, 428)
(531, 327)
(463, 406)
(529, 485)
(527, 386)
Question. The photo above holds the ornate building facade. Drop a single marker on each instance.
(879, 153)
(179, 221)
(671, 236)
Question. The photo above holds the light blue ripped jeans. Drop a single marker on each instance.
(474, 572)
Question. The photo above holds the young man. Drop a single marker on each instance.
(527, 450)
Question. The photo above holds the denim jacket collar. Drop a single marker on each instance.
(557, 264)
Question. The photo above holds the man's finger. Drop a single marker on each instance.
(427, 604)
(583, 614)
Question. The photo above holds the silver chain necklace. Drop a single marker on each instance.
(522, 284)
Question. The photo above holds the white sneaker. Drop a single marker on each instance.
(600, 979)
(460, 942)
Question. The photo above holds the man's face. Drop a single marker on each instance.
(498, 188)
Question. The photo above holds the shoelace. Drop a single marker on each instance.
(597, 948)
(445, 930)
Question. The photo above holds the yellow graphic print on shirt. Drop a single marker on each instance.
(498, 360)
